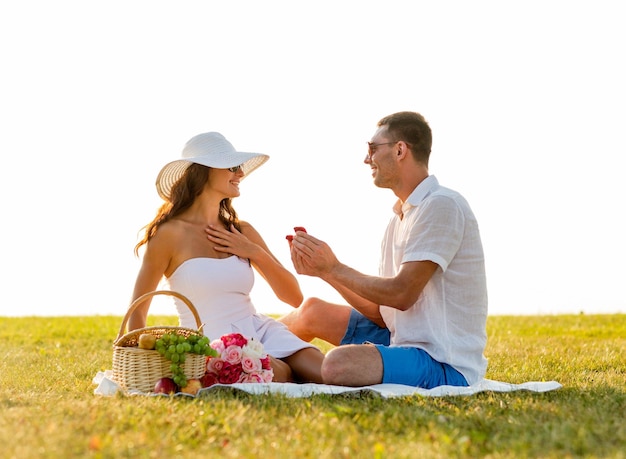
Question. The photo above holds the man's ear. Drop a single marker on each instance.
(402, 149)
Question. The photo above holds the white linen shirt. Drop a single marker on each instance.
(449, 318)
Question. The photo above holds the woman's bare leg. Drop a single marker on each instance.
(282, 371)
(306, 365)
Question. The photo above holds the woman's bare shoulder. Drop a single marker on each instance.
(247, 228)
(170, 229)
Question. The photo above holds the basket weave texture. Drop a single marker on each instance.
(136, 369)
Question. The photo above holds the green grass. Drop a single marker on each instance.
(48, 410)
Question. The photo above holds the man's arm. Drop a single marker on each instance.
(315, 258)
(368, 308)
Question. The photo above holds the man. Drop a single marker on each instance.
(427, 311)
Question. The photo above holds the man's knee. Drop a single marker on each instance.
(308, 308)
(352, 365)
(333, 367)
(302, 321)
(306, 316)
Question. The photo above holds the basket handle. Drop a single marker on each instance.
(135, 304)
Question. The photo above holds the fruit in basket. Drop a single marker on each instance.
(192, 387)
(146, 341)
(175, 348)
(165, 386)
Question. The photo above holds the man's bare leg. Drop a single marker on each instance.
(317, 318)
(353, 365)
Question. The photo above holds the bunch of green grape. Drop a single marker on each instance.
(175, 349)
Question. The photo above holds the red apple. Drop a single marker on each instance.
(165, 386)
(192, 387)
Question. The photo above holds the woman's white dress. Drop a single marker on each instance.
(219, 289)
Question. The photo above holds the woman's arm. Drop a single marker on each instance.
(155, 261)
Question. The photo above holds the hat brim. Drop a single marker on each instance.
(173, 171)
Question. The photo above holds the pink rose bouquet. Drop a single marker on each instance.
(239, 360)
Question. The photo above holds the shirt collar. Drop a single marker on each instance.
(420, 192)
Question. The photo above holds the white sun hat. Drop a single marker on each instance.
(209, 149)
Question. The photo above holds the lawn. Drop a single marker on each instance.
(49, 410)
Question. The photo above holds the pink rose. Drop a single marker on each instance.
(240, 360)
(251, 378)
(250, 365)
(218, 345)
(232, 354)
(215, 365)
(267, 375)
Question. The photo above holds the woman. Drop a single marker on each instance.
(203, 250)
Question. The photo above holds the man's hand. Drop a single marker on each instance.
(289, 237)
(310, 256)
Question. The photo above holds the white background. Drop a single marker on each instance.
(525, 99)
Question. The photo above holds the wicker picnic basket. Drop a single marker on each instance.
(136, 369)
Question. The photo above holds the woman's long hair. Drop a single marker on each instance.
(184, 192)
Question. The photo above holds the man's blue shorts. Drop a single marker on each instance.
(362, 330)
(401, 365)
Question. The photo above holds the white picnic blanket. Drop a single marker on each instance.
(106, 386)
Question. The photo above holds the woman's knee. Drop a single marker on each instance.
(306, 365)
(282, 371)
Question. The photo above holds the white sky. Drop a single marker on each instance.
(526, 102)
